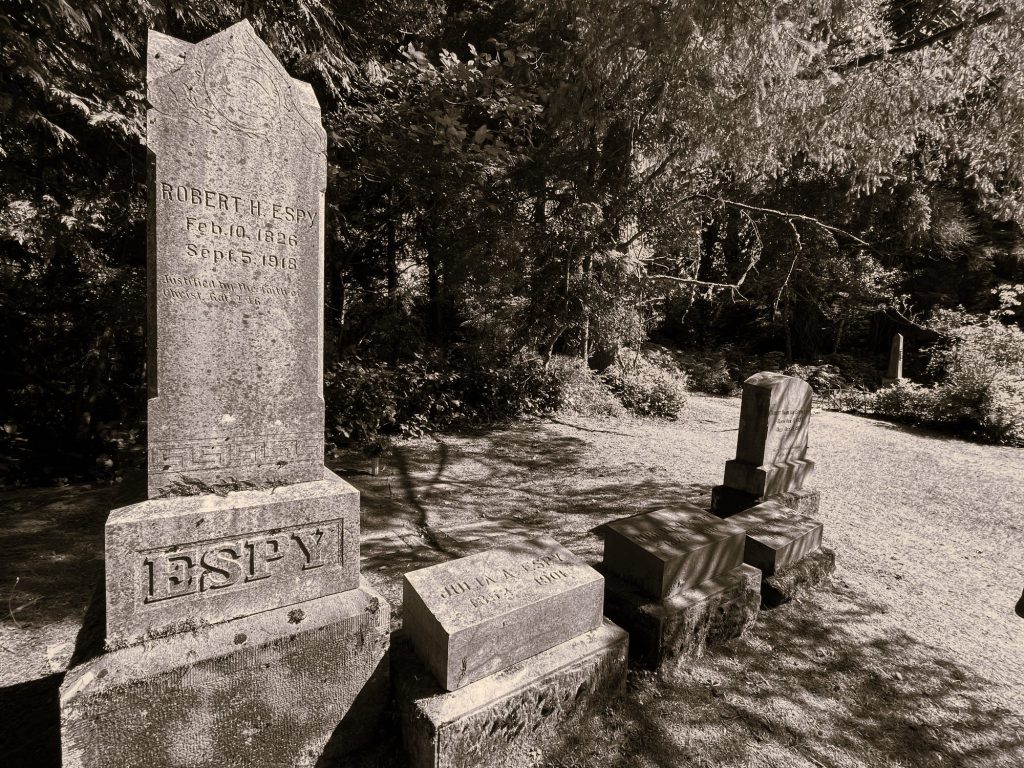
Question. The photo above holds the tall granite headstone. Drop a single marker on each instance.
(895, 371)
(771, 447)
(237, 579)
(764, 491)
(237, 179)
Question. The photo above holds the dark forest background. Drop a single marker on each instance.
(514, 186)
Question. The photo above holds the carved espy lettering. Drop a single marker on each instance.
(263, 552)
(223, 567)
(236, 563)
(170, 575)
(314, 547)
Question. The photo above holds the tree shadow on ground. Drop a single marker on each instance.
(817, 682)
(51, 542)
(456, 496)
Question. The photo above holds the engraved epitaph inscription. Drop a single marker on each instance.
(237, 179)
(474, 616)
(774, 419)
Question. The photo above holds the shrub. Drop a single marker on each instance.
(360, 399)
(579, 390)
(369, 402)
(646, 389)
(979, 390)
(823, 377)
(980, 374)
(703, 371)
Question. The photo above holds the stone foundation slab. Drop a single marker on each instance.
(685, 624)
(285, 687)
(799, 578)
(506, 718)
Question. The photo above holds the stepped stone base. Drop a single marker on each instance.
(507, 718)
(726, 501)
(768, 479)
(810, 572)
(688, 622)
(295, 686)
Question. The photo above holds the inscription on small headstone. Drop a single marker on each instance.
(477, 615)
(771, 449)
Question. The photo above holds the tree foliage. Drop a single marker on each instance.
(518, 178)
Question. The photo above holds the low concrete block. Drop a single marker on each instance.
(777, 536)
(799, 578)
(688, 622)
(671, 549)
(474, 616)
(499, 720)
(768, 479)
(726, 501)
(284, 687)
(176, 564)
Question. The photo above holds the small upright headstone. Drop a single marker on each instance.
(895, 372)
(771, 448)
(239, 574)
(501, 653)
(676, 581)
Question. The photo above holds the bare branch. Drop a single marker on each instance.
(733, 287)
(792, 216)
(789, 274)
(940, 36)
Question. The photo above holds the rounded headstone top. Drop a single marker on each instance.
(772, 379)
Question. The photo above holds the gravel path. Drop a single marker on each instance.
(927, 527)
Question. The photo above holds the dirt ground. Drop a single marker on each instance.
(912, 656)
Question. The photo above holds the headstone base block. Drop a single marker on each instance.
(499, 720)
(726, 501)
(688, 622)
(799, 578)
(180, 563)
(283, 687)
(768, 479)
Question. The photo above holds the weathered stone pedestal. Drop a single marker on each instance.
(786, 548)
(500, 652)
(726, 501)
(500, 720)
(181, 563)
(282, 687)
(801, 577)
(686, 623)
(675, 580)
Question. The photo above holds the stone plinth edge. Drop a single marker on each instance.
(279, 688)
(802, 577)
(684, 625)
(497, 721)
